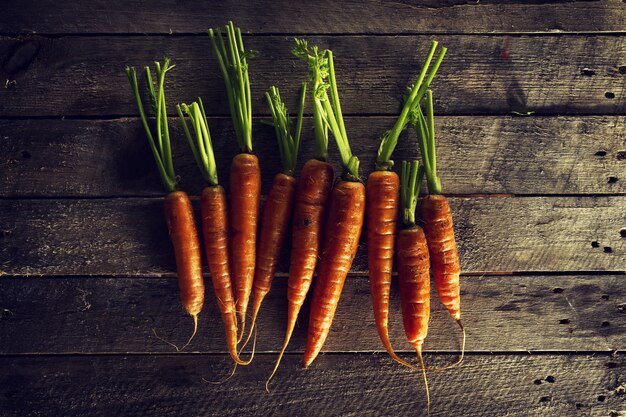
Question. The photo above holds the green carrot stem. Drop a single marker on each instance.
(200, 143)
(425, 128)
(288, 143)
(334, 119)
(234, 68)
(390, 138)
(318, 70)
(161, 146)
(410, 180)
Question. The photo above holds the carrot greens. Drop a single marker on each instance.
(288, 143)
(161, 146)
(233, 63)
(202, 148)
(416, 93)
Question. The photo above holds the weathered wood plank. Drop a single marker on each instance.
(129, 237)
(117, 315)
(481, 75)
(537, 155)
(424, 16)
(346, 385)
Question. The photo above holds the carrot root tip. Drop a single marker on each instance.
(232, 373)
(195, 329)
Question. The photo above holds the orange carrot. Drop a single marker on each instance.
(214, 220)
(178, 209)
(345, 217)
(312, 194)
(413, 267)
(437, 221)
(382, 211)
(341, 241)
(245, 175)
(383, 186)
(444, 256)
(245, 195)
(184, 236)
(313, 190)
(279, 204)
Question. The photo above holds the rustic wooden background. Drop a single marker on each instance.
(539, 203)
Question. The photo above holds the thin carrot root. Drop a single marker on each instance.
(280, 356)
(421, 359)
(255, 312)
(253, 348)
(195, 329)
(232, 373)
(243, 329)
(457, 363)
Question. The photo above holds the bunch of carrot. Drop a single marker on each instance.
(326, 219)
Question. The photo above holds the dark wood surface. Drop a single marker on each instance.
(483, 74)
(86, 269)
(531, 313)
(340, 384)
(516, 155)
(70, 236)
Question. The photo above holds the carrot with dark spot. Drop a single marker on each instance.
(245, 174)
(279, 204)
(383, 187)
(437, 221)
(214, 219)
(345, 214)
(178, 209)
(413, 267)
(312, 193)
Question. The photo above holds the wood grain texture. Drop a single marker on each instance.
(117, 315)
(346, 385)
(519, 155)
(167, 16)
(129, 237)
(84, 76)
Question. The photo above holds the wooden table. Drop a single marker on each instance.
(539, 204)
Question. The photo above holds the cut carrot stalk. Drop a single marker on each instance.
(346, 211)
(437, 221)
(245, 174)
(178, 209)
(383, 186)
(279, 204)
(214, 219)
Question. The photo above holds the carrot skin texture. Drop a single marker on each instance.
(382, 189)
(414, 283)
(184, 237)
(245, 196)
(341, 241)
(215, 230)
(313, 191)
(276, 217)
(437, 222)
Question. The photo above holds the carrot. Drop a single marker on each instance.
(345, 215)
(184, 236)
(245, 198)
(279, 204)
(383, 186)
(437, 221)
(178, 209)
(312, 193)
(214, 220)
(413, 267)
(341, 241)
(245, 174)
